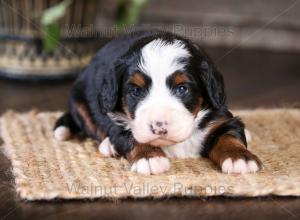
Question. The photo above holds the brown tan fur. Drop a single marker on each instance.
(138, 80)
(179, 78)
(229, 146)
(198, 107)
(84, 112)
(140, 151)
(125, 109)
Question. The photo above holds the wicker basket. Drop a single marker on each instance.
(21, 50)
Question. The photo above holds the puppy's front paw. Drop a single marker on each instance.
(62, 133)
(106, 148)
(241, 161)
(152, 165)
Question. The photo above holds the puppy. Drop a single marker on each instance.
(151, 95)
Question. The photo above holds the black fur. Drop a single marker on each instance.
(67, 121)
(214, 116)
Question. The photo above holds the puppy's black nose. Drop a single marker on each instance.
(159, 128)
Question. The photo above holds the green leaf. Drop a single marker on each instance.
(52, 37)
(54, 13)
(129, 13)
(50, 28)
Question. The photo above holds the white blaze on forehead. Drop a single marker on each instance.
(160, 58)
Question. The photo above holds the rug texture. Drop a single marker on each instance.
(45, 169)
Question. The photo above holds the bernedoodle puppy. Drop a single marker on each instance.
(151, 95)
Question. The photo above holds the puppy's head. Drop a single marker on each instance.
(166, 86)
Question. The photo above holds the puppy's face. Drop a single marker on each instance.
(161, 95)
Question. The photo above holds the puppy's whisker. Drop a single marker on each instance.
(120, 119)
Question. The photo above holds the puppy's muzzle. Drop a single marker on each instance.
(159, 128)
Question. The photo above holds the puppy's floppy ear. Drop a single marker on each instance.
(108, 84)
(214, 85)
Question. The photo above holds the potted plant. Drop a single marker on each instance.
(37, 41)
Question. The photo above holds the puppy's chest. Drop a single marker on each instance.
(190, 148)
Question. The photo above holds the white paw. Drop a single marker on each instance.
(239, 166)
(248, 136)
(106, 148)
(62, 133)
(153, 165)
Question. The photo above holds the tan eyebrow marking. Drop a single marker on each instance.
(179, 78)
(138, 79)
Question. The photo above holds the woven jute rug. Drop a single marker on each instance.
(45, 169)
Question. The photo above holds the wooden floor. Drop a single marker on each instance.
(253, 79)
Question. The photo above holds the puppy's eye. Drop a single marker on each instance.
(135, 91)
(181, 90)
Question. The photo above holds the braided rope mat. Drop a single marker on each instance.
(45, 169)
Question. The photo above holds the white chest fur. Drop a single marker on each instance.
(189, 148)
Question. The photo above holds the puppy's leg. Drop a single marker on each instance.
(228, 148)
(146, 159)
(64, 127)
(79, 119)
(83, 117)
(233, 157)
(90, 128)
(106, 148)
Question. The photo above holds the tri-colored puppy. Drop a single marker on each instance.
(151, 95)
